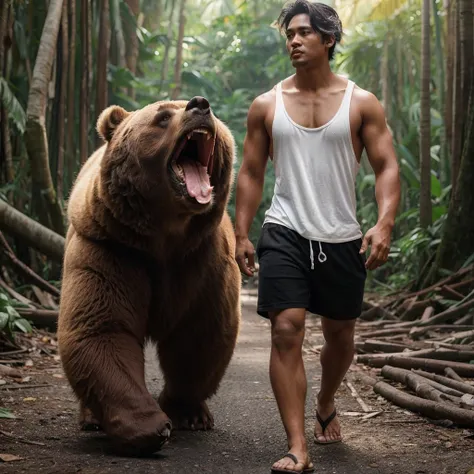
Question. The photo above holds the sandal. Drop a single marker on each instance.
(324, 424)
(307, 470)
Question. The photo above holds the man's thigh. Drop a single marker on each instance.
(338, 283)
(282, 278)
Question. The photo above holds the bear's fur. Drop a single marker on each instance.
(146, 261)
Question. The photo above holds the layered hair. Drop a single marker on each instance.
(323, 18)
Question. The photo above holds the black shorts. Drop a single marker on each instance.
(294, 273)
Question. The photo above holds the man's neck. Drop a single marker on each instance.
(311, 78)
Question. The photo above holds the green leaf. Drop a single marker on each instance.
(11, 104)
(438, 212)
(4, 413)
(4, 318)
(23, 325)
(435, 186)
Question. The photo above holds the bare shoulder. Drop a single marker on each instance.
(263, 103)
(368, 104)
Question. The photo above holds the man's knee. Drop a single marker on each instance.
(288, 329)
(339, 333)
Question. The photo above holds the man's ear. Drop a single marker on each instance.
(109, 120)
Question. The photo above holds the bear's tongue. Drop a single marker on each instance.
(197, 181)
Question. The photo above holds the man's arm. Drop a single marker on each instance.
(378, 143)
(250, 181)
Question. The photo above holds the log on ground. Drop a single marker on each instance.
(427, 408)
(461, 386)
(437, 366)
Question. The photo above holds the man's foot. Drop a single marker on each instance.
(327, 429)
(294, 461)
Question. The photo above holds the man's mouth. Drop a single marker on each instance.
(296, 52)
(192, 163)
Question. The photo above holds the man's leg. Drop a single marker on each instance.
(336, 357)
(288, 379)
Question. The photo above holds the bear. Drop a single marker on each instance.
(150, 256)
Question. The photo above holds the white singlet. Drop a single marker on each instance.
(315, 170)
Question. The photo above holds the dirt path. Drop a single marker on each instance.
(248, 436)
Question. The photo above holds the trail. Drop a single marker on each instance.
(248, 436)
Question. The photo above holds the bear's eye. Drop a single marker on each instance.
(163, 118)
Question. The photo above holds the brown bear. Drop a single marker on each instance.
(150, 256)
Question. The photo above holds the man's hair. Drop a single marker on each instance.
(324, 19)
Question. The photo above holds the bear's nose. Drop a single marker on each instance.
(199, 104)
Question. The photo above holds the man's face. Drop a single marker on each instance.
(303, 43)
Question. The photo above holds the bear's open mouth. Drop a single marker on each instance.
(192, 163)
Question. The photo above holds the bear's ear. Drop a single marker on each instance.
(109, 120)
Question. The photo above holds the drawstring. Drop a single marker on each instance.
(322, 257)
(311, 255)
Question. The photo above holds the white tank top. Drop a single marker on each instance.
(315, 171)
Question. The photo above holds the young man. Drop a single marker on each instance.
(314, 125)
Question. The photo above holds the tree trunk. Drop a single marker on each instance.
(457, 244)
(467, 51)
(458, 108)
(41, 238)
(5, 143)
(448, 106)
(132, 40)
(102, 61)
(169, 39)
(62, 103)
(443, 167)
(36, 140)
(84, 102)
(71, 103)
(179, 53)
(425, 122)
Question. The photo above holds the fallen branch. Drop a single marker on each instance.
(437, 354)
(449, 314)
(415, 309)
(21, 439)
(376, 312)
(24, 387)
(428, 408)
(387, 332)
(413, 380)
(373, 345)
(459, 337)
(447, 281)
(40, 317)
(451, 293)
(26, 271)
(427, 313)
(417, 332)
(456, 347)
(357, 397)
(22, 299)
(8, 371)
(460, 386)
(449, 372)
(437, 366)
(31, 232)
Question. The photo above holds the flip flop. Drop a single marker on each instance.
(324, 424)
(308, 470)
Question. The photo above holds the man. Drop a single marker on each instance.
(314, 125)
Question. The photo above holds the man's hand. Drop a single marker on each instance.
(245, 256)
(378, 237)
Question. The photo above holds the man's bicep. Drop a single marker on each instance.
(257, 141)
(376, 135)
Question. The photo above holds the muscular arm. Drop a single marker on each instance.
(377, 140)
(250, 181)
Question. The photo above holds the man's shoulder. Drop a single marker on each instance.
(365, 101)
